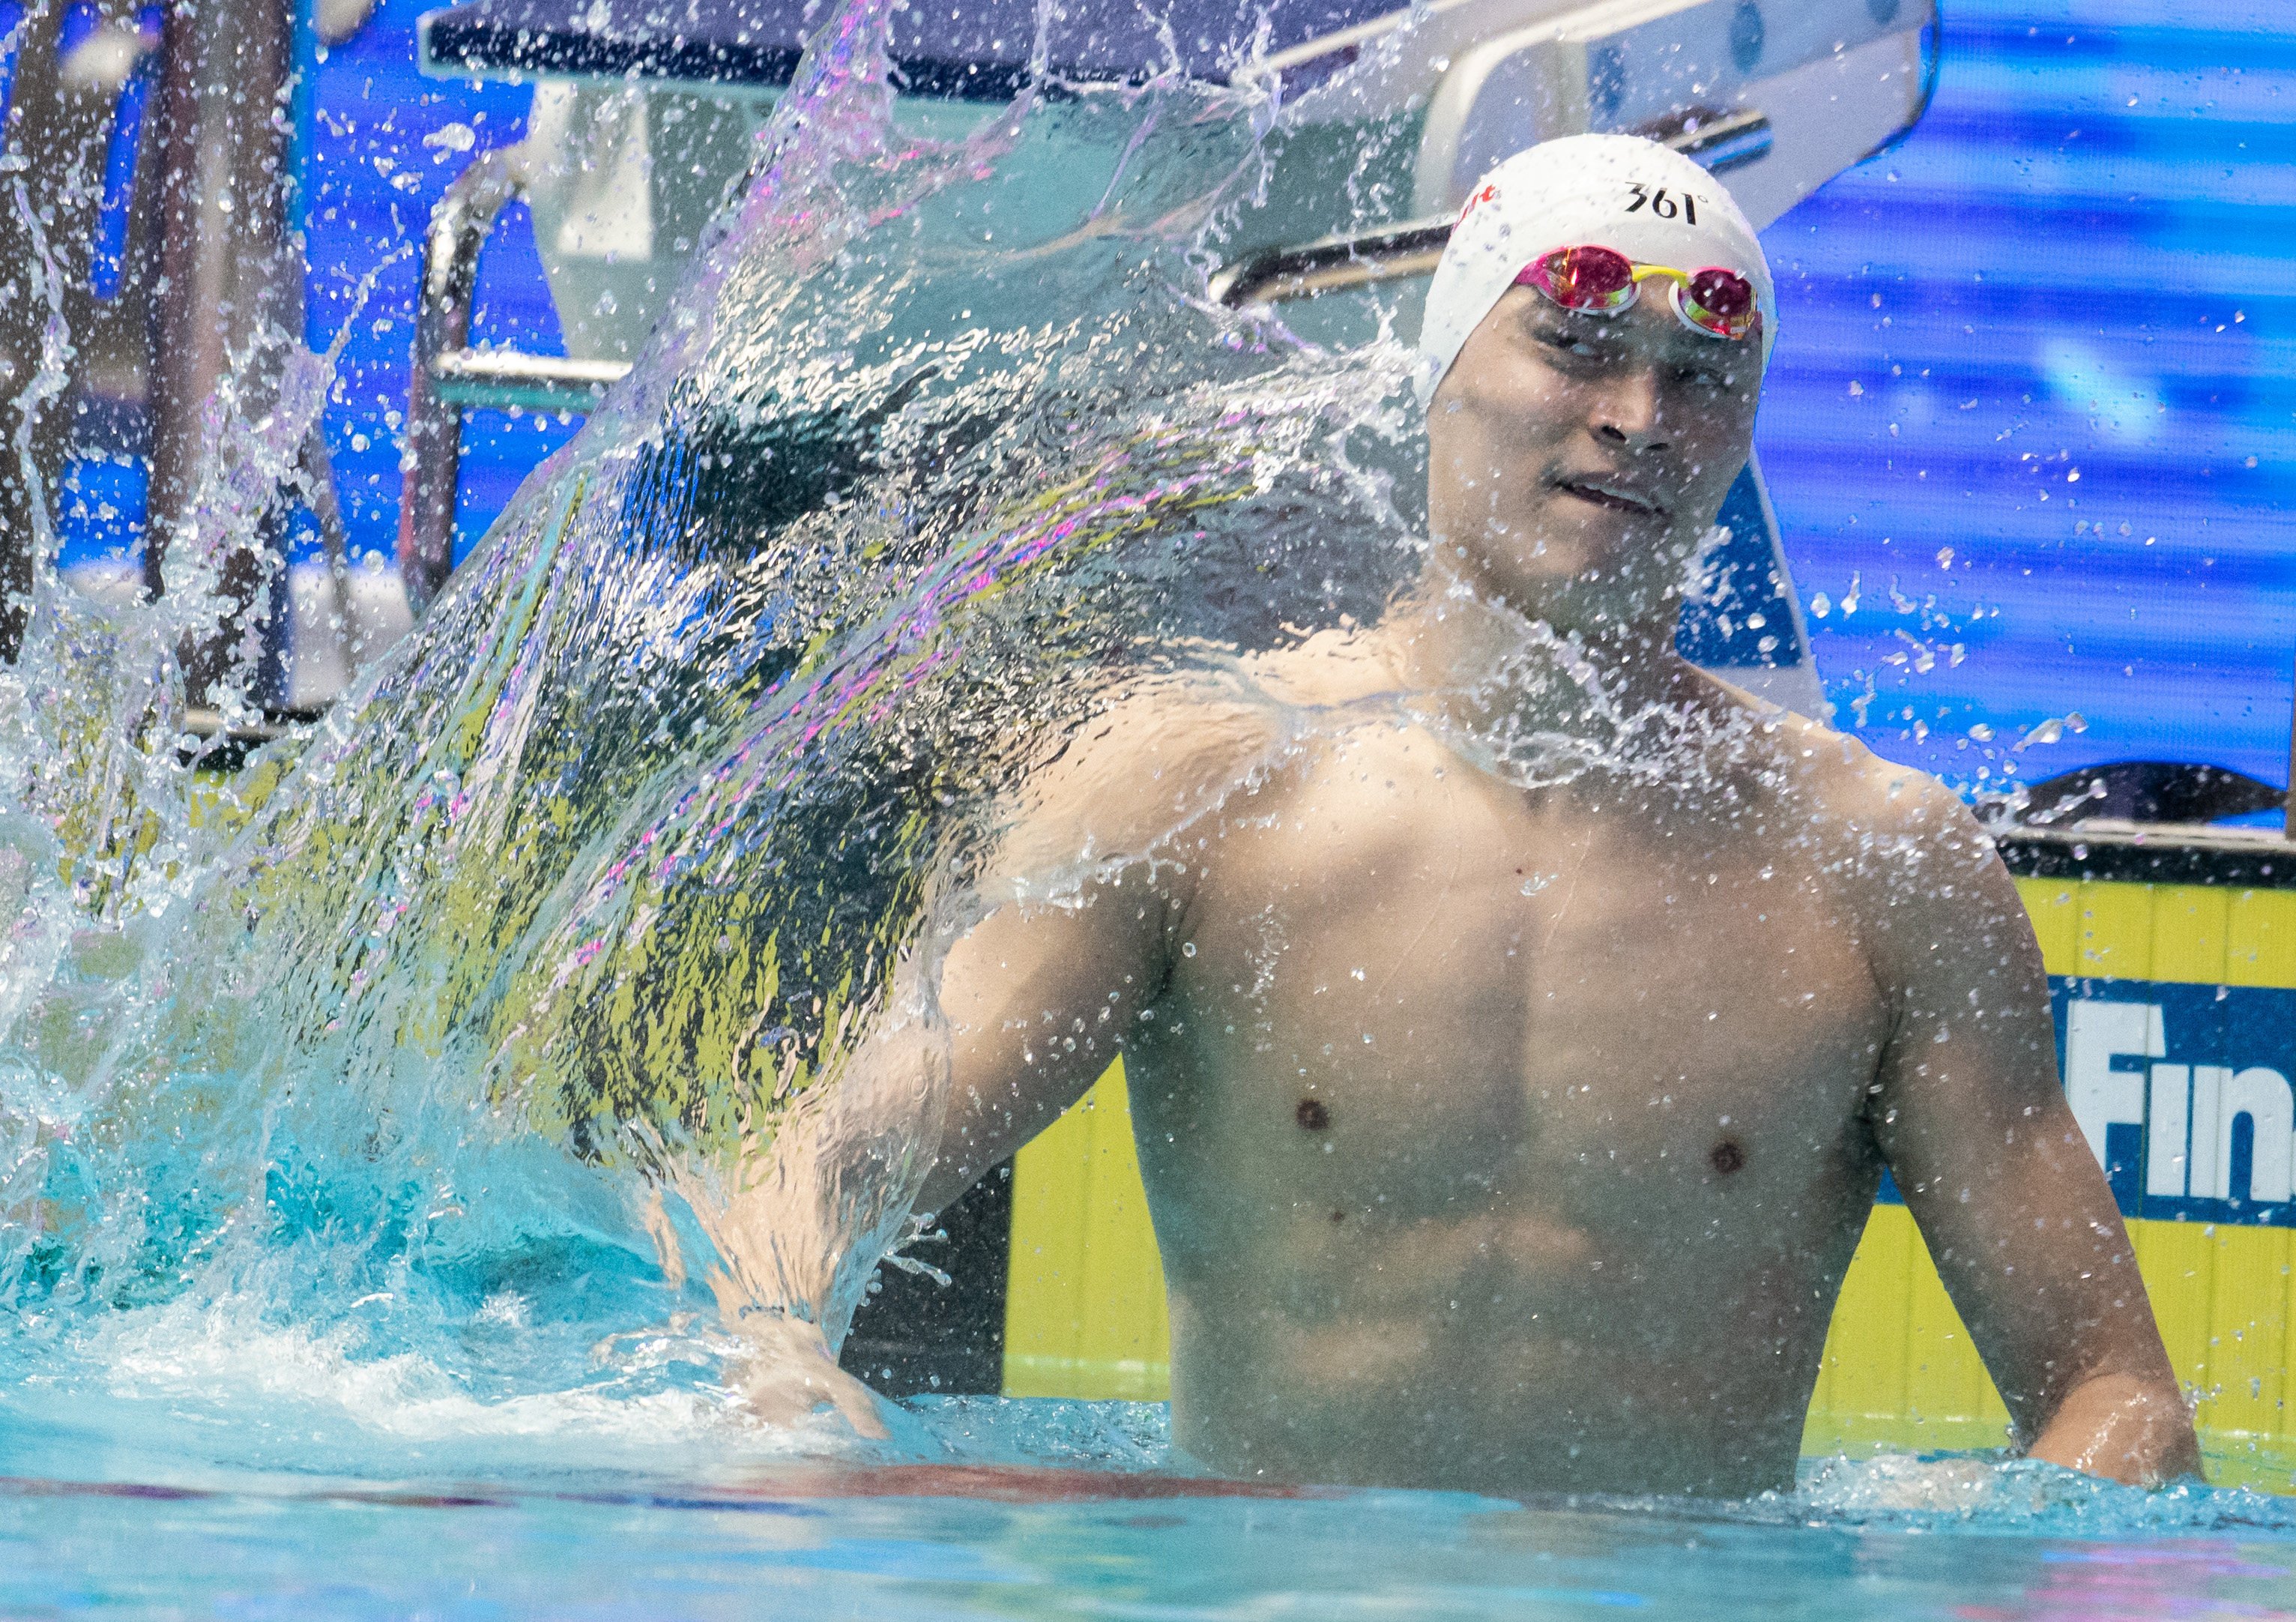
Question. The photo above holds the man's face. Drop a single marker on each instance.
(1577, 460)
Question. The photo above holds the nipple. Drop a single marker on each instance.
(1312, 1116)
(1726, 1157)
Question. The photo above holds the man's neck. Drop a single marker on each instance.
(1492, 663)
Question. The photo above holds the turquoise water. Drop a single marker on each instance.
(1087, 1531)
(322, 1493)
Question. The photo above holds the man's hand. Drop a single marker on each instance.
(785, 1377)
(2123, 1428)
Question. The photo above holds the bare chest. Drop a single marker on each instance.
(1431, 998)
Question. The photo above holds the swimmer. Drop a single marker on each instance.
(1508, 1127)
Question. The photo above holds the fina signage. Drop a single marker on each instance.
(2183, 1094)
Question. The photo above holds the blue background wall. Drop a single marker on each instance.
(2031, 430)
(2051, 334)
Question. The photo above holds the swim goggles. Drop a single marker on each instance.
(1603, 282)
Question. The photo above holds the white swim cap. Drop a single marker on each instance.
(1648, 201)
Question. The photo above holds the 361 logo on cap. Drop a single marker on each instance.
(1662, 202)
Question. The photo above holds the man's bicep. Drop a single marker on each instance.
(1043, 993)
(1039, 1000)
(1974, 1126)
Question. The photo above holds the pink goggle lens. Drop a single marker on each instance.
(1718, 301)
(1600, 281)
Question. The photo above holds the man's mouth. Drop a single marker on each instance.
(1617, 496)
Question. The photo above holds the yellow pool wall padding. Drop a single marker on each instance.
(1084, 1305)
(1085, 1308)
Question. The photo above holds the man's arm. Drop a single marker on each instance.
(1968, 1113)
(1039, 1000)
(1045, 992)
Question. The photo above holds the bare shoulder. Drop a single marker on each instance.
(1149, 760)
(1880, 799)
(1909, 855)
(1169, 749)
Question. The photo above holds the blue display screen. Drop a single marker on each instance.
(2032, 411)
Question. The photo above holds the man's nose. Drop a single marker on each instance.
(1627, 411)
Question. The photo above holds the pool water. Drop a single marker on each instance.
(192, 1506)
(1010, 1542)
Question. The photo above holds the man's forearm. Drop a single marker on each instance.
(2122, 1426)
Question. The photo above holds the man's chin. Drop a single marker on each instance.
(1569, 543)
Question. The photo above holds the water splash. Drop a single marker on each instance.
(1988, 1492)
(550, 950)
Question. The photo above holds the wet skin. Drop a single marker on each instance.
(1512, 1131)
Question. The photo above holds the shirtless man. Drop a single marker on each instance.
(1514, 1056)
